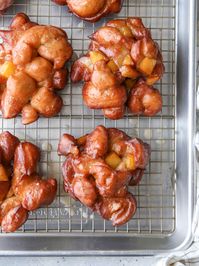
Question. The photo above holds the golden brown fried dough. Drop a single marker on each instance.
(144, 99)
(98, 169)
(46, 102)
(26, 158)
(8, 144)
(14, 219)
(117, 210)
(121, 54)
(32, 67)
(91, 10)
(34, 192)
(21, 188)
(29, 114)
(20, 89)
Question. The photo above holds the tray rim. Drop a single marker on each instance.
(53, 244)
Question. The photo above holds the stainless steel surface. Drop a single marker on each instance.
(165, 195)
(197, 99)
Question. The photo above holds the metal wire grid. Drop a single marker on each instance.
(155, 195)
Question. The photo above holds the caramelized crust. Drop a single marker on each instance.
(123, 62)
(118, 210)
(92, 10)
(32, 68)
(98, 169)
(144, 99)
(8, 144)
(21, 188)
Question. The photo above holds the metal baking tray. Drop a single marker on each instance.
(166, 194)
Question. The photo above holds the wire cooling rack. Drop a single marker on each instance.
(155, 194)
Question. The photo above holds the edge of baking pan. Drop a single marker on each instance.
(90, 244)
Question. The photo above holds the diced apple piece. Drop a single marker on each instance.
(3, 173)
(112, 65)
(96, 56)
(126, 31)
(7, 69)
(113, 160)
(151, 80)
(130, 162)
(147, 65)
(120, 59)
(128, 60)
(82, 140)
(129, 72)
